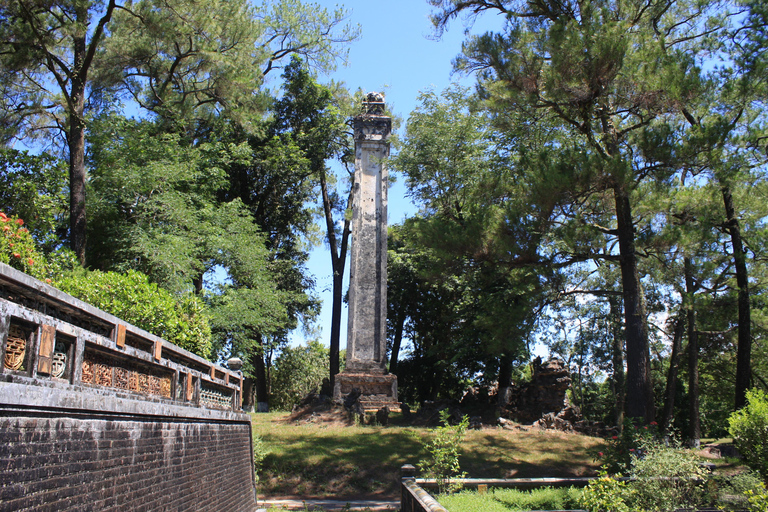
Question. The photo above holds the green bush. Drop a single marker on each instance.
(620, 452)
(749, 428)
(443, 449)
(606, 494)
(297, 371)
(504, 500)
(181, 320)
(18, 248)
(666, 478)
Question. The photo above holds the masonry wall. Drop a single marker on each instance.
(99, 415)
(64, 462)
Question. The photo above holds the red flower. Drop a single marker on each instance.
(31, 261)
(16, 255)
(48, 280)
(20, 222)
(6, 228)
(654, 423)
(631, 449)
(10, 244)
(599, 454)
(615, 437)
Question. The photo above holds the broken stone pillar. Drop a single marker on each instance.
(367, 327)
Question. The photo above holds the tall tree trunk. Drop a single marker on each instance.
(338, 264)
(396, 341)
(505, 379)
(83, 54)
(261, 378)
(639, 400)
(76, 146)
(617, 360)
(693, 358)
(674, 365)
(744, 348)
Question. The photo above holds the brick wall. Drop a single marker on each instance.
(59, 462)
(98, 415)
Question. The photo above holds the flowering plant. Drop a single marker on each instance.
(616, 458)
(18, 248)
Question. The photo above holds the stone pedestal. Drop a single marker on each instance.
(376, 391)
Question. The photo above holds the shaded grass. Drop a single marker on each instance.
(334, 460)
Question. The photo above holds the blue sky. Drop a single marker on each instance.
(395, 55)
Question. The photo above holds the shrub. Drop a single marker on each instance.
(666, 478)
(617, 457)
(297, 372)
(443, 449)
(504, 500)
(606, 494)
(18, 249)
(131, 297)
(749, 428)
(758, 500)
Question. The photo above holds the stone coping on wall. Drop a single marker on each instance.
(34, 394)
(110, 364)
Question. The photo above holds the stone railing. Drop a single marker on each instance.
(51, 339)
(415, 492)
(415, 496)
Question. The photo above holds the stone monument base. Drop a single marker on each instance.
(376, 390)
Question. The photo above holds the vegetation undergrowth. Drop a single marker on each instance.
(331, 459)
(443, 449)
(504, 500)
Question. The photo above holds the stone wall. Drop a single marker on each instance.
(54, 461)
(96, 414)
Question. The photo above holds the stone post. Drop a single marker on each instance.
(367, 324)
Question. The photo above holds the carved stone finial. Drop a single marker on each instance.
(373, 104)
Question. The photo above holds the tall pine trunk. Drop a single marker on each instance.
(693, 358)
(76, 142)
(617, 360)
(744, 348)
(670, 390)
(639, 398)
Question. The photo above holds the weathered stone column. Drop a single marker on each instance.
(367, 324)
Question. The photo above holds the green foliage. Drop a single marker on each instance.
(18, 249)
(33, 187)
(749, 428)
(260, 452)
(666, 478)
(663, 478)
(503, 500)
(297, 372)
(758, 500)
(618, 457)
(181, 320)
(606, 494)
(443, 449)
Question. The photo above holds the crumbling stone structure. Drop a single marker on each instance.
(97, 414)
(545, 394)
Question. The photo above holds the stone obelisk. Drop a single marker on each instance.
(367, 327)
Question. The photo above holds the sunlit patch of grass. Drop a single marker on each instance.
(335, 460)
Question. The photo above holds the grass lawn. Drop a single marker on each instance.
(506, 500)
(318, 459)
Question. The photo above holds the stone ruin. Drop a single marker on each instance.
(545, 394)
(543, 402)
